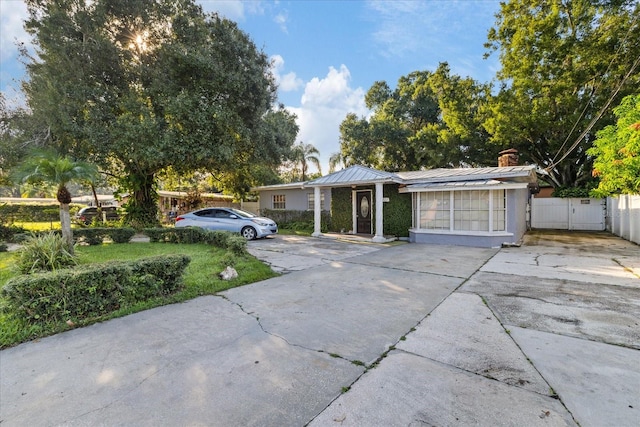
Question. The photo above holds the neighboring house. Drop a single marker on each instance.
(484, 207)
(177, 202)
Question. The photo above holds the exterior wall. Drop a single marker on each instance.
(295, 199)
(517, 213)
(516, 227)
(482, 241)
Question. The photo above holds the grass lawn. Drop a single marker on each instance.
(200, 278)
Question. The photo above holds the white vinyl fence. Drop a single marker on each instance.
(623, 217)
(568, 213)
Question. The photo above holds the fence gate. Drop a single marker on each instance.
(568, 213)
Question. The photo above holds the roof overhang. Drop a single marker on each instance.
(463, 186)
(290, 186)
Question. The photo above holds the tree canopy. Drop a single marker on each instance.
(139, 86)
(431, 119)
(563, 63)
(617, 151)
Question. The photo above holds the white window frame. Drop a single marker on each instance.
(463, 213)
(279, 202)
(311, 201)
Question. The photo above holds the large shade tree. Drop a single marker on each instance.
(139, 86)
(431, 119)
(564, 63)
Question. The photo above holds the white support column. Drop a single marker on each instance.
(379, 236)
(317, 213)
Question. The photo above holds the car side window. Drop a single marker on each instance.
(222, 214)
(207, 213)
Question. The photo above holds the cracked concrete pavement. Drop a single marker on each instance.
(361, 335)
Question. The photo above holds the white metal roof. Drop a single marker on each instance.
(514, 173)
(289, 186)
(354, 175)
(485, 184)
(361, 175)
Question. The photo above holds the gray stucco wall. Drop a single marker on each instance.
(296, 199)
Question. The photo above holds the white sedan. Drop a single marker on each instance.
(247, 224)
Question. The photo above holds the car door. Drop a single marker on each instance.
(206, 218)
(228, 220)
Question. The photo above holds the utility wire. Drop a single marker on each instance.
(595, 89)
(597, 116)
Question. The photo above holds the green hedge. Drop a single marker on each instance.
(93, 291)
(95, 235)
(19, 212)
(292, 218)
(397, 211)
(341, 209)
(222, 239)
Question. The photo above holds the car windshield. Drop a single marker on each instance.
(242, 213)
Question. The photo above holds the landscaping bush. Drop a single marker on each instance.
(44, 252)
(237, 244)
(121, 235)
(221, 239)
(176, 235)
(95, 235)
(94, 290)
(8, 232)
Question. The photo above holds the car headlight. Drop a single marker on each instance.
(260, 222)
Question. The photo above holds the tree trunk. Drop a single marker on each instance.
(65, 222)
(142, 207)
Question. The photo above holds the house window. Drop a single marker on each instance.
(279, 201)
(434, 210)
(471, 210)
(311, 201)
(499, 210)
(474, 210)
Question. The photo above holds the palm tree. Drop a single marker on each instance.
(302, 154)
(335, 160)
(50, 167)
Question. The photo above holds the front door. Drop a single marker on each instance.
(363, 212)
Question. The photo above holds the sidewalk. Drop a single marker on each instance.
(361, 335)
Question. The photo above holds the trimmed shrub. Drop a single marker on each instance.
(94, 290)
(90, 236)
(96, 235)
(237, 244)
(8, 233)
(44, 252)
(221, 239)
(121, 235)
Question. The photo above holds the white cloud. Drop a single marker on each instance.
(324, 105)
(288, 82)
(281, 19)
(12, 15)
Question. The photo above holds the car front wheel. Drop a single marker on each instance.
(249, 233)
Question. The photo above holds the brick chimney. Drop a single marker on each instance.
(508, 158)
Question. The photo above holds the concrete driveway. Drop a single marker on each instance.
(362, 335)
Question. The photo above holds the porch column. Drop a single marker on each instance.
(379, 236)
(317, 213)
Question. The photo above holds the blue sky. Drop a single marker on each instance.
(328, 53)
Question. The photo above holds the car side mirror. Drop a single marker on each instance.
(233, 216)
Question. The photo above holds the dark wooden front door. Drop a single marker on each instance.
(363, 212)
